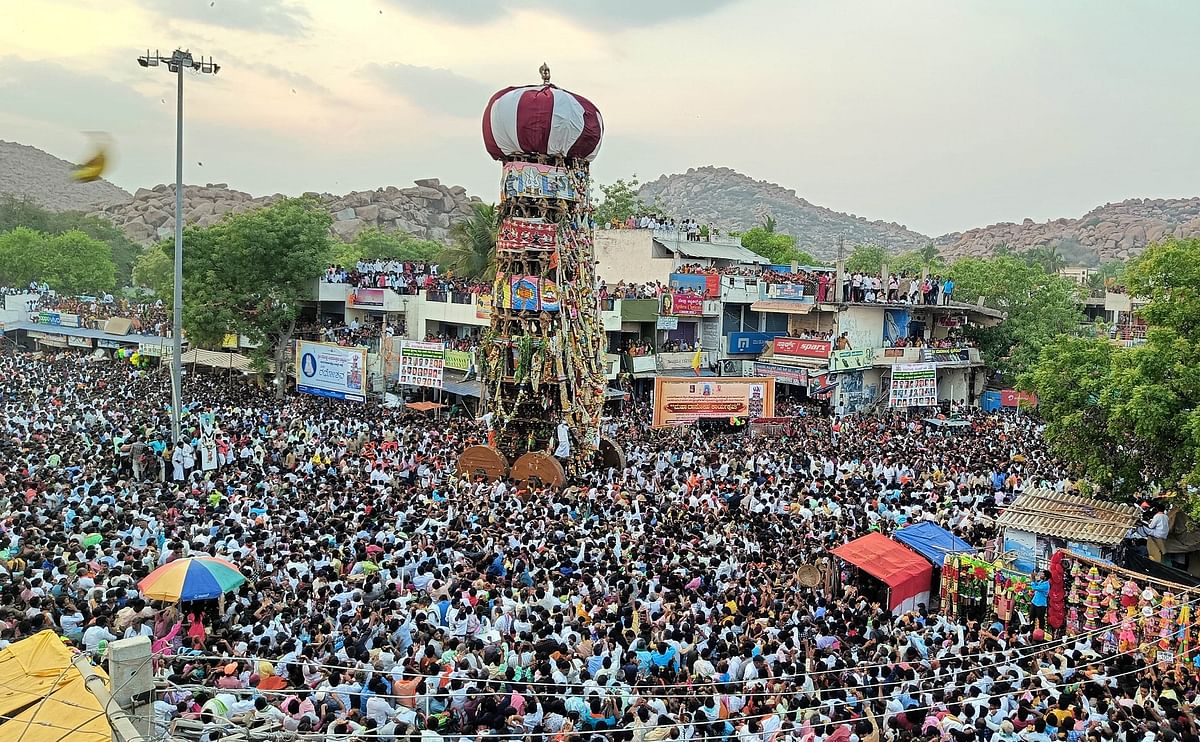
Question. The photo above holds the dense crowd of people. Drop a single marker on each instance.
(388, 599)
(146, 318)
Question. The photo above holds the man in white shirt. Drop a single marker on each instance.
(1156, 534)
(96, 633)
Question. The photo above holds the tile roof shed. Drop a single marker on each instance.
(1070, 517)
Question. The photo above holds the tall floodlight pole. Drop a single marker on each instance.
(177, 63)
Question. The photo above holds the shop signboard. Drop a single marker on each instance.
(802, 347)
(750, 342)
(782, 374)
(945, 355)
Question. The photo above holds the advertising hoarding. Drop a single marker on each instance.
(851, 358)
(334, 371)
(422, 364)
(365, 298)
(913, 385)
(675, 303)
(683, 400)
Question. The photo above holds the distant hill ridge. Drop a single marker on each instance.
(42, 177)
(732, 201)
(713, 195)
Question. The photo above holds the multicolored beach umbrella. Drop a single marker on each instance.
(194, 578)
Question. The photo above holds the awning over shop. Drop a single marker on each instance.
(43, 698)
(907, 575)
(931, 541)
(783, 306)
(214, 359)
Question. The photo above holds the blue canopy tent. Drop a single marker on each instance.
(931, 541)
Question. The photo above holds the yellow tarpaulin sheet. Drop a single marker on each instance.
(42, 696)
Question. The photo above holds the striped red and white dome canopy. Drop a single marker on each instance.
(541, 119)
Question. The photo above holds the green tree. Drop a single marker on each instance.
(80, 264)
(345, 254)
(621, 201)
(778, 248)
(866, 259)
(248, 274)
(1070, 379)
(22, 212)
(472, 250)
(70, 262)
(930, 256)
(1039, 306)
(1046, 256)
(802, 257)
(768, 224)
(155, 269)
(375, 243)
(22, 254)
(911, 263)
(1128, 418)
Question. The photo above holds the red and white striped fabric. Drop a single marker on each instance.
(541, 119)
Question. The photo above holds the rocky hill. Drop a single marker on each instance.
(1114, 231)
(424, 210)
(45, 179)
(713, 195)
(732, 201)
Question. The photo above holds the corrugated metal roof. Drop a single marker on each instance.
(708, 251)
(1070, 517)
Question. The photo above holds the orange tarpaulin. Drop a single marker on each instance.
(905, 572)
(424, 406)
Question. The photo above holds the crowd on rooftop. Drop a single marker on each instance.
(687, 229)
(146, 318)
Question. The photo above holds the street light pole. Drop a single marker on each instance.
(177, 303)
(177, 63)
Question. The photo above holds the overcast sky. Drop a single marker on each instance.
(938, 114)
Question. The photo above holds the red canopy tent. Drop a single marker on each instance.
(907, 574)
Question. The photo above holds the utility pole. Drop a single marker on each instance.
(177, 63)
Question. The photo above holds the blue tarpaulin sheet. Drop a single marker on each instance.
(931, 541)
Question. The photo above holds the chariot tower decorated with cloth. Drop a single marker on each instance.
(541, 359)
